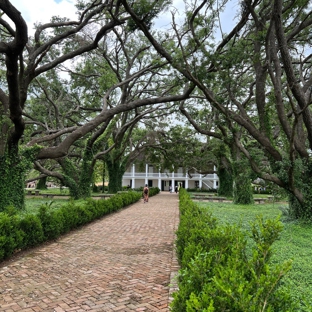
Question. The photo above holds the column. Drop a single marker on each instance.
(200, 181)
(215, 178)
(133, 176)
(159, 179)
(186, 183)
(186, 180)
(133, 170)
(146, 174)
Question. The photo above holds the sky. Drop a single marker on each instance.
(34, 11)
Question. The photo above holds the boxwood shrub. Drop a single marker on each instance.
(220, 271)
(22, 231)
(32, 230)
(11, 236)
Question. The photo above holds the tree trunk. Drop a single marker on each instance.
(12, 177)
(115, 173)
(103, 177)
(225, 182)
(301, 208)
(85, 179)
(42, 184)
(78, 180)
(242, 190)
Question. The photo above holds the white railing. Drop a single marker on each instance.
(169, 175)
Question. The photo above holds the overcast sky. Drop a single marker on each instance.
(34, 11)
(42, 10)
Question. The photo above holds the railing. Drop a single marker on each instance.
(169, 175)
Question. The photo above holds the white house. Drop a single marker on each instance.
(154, 178)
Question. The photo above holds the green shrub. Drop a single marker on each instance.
(18, 232)
(70, 217)
(219, 272)
(117, 201)
(11, 237)
(52, 222)
(32, 229)
(192, 217)
(84, 215)
(106, 206)
(152, 190)
(96, 209)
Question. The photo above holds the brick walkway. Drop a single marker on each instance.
(123, 262)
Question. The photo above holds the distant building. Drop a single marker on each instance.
(136, 177)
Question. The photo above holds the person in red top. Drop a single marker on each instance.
(145, 193)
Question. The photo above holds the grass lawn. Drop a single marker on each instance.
(56, 191)
(295, 243)
(32, 204)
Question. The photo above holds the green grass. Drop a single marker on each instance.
(55, 191)
(32, 204)
(295, 243)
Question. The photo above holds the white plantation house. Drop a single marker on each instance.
(153, 177)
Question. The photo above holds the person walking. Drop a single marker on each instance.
(145, 193)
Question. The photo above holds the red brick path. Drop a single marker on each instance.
(123, 262)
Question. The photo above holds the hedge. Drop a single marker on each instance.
(18, 232)
(220, 272)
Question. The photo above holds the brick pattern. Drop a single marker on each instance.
(123, 262)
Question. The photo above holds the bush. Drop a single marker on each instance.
(71, 218)
(32, 230)
(152, 190)
(49, 223)
(11, 237)
(116, 201)
(219, 272)
(201, 190)
(106, 206)
(52, 222)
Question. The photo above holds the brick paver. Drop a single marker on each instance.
(123, 262)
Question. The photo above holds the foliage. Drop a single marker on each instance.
(252, 86)
(146, 11)
(217, 272)
(11, 237)
(116, 168)
(225, 183)
(20, 230)
(114, 72)
(152, 190)
(295, 243)
(180, 146)
(31, 227)
(13, 169)
(51, 221)
(242, 189)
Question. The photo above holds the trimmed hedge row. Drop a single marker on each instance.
(152, 190)
(219, 272)
(20, 232)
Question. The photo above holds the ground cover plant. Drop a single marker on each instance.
(295, 243)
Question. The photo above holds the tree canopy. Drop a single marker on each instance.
(254, 83)
(248, 89)
(32, 62)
